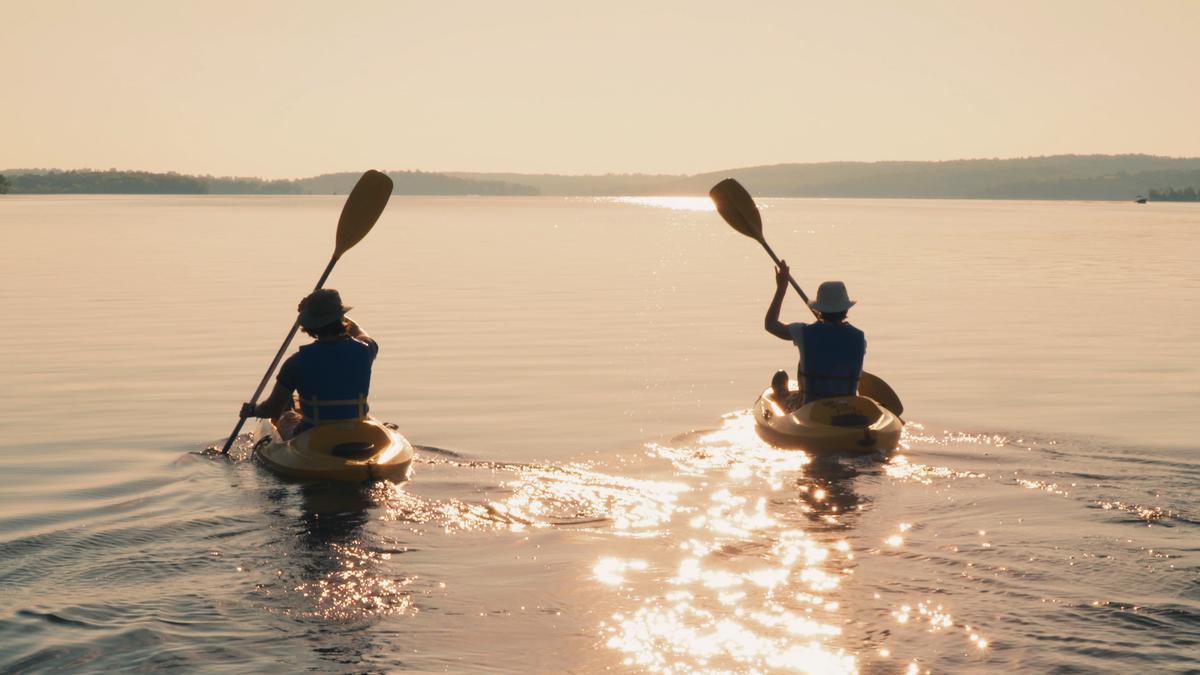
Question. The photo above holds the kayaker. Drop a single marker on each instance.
(831, 350)
(332, 374)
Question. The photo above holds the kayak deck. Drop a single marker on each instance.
(841, 425)
(350, 451)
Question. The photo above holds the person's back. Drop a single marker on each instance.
(333, 378)
(831, 350)
(332, 375)
(831, 358)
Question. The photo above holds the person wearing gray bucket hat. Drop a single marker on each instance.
(831, 350)
(332, 374)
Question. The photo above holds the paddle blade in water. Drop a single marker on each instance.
(874, 387)
(362, 209)
(737, 207)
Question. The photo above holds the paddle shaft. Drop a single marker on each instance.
(790, 278)
(275, 362)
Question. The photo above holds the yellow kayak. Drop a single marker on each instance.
(350, 451)
(843, 424)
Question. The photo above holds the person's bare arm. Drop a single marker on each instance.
(355, 331)
(276, 404)
(771, 322)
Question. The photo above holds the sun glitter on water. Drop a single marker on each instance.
(672, 203)
(740, 590)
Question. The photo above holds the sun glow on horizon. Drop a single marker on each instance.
(699, 204)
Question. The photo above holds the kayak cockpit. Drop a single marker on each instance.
(841, 424)
(349, 451)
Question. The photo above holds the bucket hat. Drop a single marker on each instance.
(832, 298)
(322, 308)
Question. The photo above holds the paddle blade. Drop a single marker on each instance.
(737, 207)
(362, 209)
(874, 387)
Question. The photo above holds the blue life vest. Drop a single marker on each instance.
(831, 358)
(333, 379)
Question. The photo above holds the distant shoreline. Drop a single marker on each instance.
(1059, 177)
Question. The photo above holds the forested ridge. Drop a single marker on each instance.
(1098, 177)
(1189, 194)
(1087, 177)
(114, 181)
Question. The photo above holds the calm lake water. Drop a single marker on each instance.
(589, 492)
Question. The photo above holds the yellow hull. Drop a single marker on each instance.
(353, 451)
(841, 425)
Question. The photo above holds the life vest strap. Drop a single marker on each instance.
(315, 405)
(826, 386)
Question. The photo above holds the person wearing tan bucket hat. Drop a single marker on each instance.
(831, 350)
(332, 374)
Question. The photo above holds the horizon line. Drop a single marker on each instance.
(16, 171)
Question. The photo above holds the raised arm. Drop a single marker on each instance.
(771, 322)
(276, 404)
(356, 330)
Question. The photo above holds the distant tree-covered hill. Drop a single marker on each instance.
(1100, 177)
(1189, 194)
(251, 186)
(112, 181)
(417, 183)
(1113, 177)
(613, 184)
(106, 182)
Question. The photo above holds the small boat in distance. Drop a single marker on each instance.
(1141, 200)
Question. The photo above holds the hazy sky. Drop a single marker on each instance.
(290, 89)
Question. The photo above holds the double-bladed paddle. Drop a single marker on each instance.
(738, 209)
(363, 207)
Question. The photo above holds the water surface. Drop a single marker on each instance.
(590, 493)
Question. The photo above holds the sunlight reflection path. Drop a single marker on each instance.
(725, 554)
(748, 592)
(673, 203)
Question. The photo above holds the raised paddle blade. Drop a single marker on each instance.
(874, 387)
(362, 209)
(737, 207)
